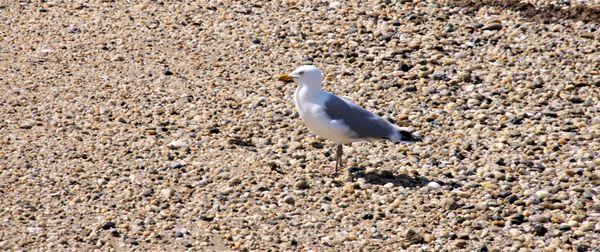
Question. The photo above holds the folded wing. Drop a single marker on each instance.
(365, 124)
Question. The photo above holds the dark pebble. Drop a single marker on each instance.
(576, 100)
(318, 145)
(176, 165)
(367, 216)
(207, 217)
(517, 219)
(410, 88)
(539, 230)
(512, 198)
(115, 233)
(214, 131)
(108, 225)
(405, 67)
(582, 248)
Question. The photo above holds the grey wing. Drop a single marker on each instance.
(366, 124)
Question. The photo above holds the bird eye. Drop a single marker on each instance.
(301, 72)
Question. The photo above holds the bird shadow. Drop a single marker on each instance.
(386, 176)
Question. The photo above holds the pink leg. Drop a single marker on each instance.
(333, 170)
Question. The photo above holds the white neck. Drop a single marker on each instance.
(305, 93)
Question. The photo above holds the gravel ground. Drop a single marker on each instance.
(131, 125)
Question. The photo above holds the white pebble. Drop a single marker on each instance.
(177, 144)
(434, 184)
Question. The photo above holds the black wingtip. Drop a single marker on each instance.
(409, 137)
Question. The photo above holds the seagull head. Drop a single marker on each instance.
(306, 75)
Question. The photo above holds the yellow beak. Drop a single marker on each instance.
(285, 78)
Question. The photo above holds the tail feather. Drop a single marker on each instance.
(407, 136)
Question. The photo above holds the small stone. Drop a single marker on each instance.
(302, 184)
(166, 193)
(587, 226)
(514, 232)
(461, 244)
(177, 144)
(517, 218)
(317, 144)
(469, 88)
(410, 88)
(35, 230)
(147, 192)
(539, 218)
(177, 165)
(464, 76)
(404, 67)
(438, 76)
(495, 26)
(370, 170)
(428, 238)
(178, 234)
(539, 229)
(289, 200)
(108, 225)
(295, 145)
(26, 125)
(583, 248)
(576, 99)
(423, 74)
(512, 198)
(367, 216)
(450, 204)
(348, 189)
(489, 185)
(118, 57)
(334, 5)
(207, 218)
(553, 206)
(588, 35)
(434, 184)
(168, 73)
(310, 42)
(542, 194)
(473, 103)
(564, 227)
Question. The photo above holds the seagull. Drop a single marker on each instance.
(338, 119)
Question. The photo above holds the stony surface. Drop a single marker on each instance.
(153, 125)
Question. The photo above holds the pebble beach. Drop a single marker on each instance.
(160, 126)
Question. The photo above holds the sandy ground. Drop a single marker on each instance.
(151, 125)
